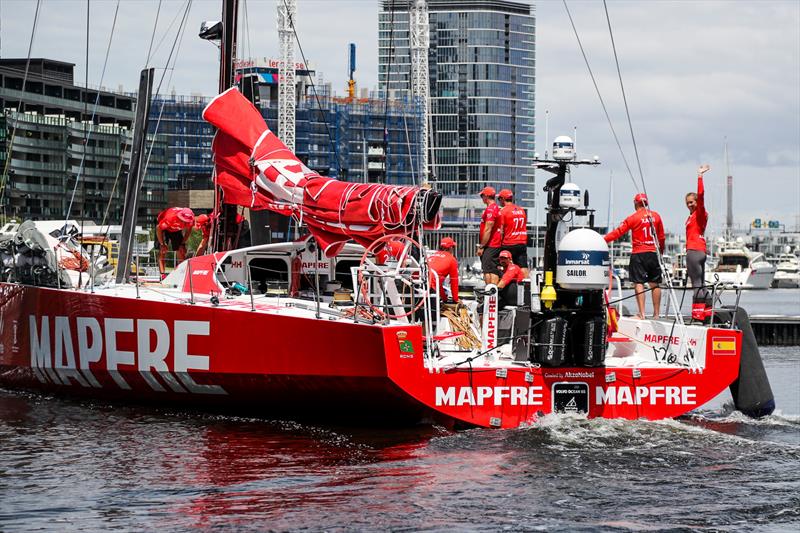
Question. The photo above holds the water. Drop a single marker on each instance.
(67, 465)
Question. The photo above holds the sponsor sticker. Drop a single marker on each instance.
(570, 397)
(723, 346)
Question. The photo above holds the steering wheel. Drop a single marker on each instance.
(406, 272)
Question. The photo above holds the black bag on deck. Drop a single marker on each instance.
(550, 347)
(589, 341)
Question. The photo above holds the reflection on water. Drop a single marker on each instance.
(70, 465)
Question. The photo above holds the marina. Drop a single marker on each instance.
(265, 291)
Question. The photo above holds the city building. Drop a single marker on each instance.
(339, 137)
(482, 78)
(57, 136)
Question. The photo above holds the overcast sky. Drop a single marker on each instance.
(695, 72)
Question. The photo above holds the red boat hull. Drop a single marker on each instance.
(275, 365)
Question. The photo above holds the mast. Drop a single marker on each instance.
(226, 229)
(729, 216)
(135, 174)
(419, 32)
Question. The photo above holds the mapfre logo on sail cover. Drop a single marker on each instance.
(66, 351)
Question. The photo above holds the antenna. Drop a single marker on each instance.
(546, 133)
(729, 217)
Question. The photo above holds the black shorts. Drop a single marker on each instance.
(645, 268)
(490, 261)
(519, 254)
(174, 239)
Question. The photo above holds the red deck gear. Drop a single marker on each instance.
(175, 219)
(444, 264)
(512, 274)
(641, 231)
(491, 214)
(514, 225)
(697, 221)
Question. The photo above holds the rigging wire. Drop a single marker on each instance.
(667, 278)
(166, 32)
(174, 50)
(600, 96)
(625, 99)
(21, 111)
(153, 36)
(94, 109)
(314, 90)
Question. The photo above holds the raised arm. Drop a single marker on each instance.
(702, 214)
(619, 232)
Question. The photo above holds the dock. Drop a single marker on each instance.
(776, 330)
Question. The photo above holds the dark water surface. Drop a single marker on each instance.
(67, 465)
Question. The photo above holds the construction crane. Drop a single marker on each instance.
(287, 102)
(418, 28)
(351, 83)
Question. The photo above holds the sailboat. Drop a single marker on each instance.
(323, 327)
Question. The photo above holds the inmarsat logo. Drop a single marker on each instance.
(585, 256)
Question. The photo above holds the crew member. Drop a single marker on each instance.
(391, 249)
(514, 227)
(512, 274)
(203, 223)
(489, 237)
(644, 264)
(696, 246)
(174, 225)
(445, 265)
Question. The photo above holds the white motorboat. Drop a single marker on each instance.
(740, 267)
(787, 275)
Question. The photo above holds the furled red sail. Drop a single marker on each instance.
(255, 169)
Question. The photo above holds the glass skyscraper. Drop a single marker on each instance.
(482, 77)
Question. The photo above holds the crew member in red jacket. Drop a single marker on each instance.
(174, 225)
(445, 265)
(512, 275)
(647, 231)
(696, 246)
(203, 223)
(489, 236)
(514, 227)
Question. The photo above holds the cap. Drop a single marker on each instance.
(640, 198)
(488, 191)
(186, 215)
(200, 220)
(506, 194)
(506, 254)
(447, 242)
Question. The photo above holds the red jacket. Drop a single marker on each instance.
(514, 224)
(168, 220)
(513, 274)
(697, 221)
(641, 231)
(491, 214)
(444, 264)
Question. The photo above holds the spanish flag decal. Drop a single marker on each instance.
(723, 346)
